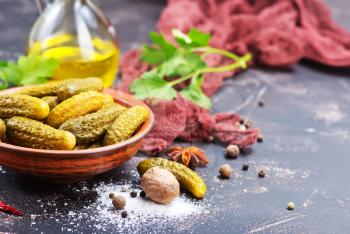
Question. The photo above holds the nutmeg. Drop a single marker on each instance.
(160, 185)
(118, 202)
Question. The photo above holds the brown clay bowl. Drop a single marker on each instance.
(63, 166)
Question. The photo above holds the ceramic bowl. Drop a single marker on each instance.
(65, 166)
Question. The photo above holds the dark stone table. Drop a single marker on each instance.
(305, 154)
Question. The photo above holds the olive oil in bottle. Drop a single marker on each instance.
(100, 60)
(80, 36)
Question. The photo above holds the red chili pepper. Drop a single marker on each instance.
(9, 209)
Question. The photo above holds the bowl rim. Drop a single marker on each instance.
(137, 137)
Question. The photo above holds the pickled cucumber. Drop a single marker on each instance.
(188, 179)
(52, 101)
(23, 105)
(48, 89)
(89, 128)
(31, 133)
(75, 86)
(125, 125)
(78, 105)
(2, 129)
(108, 99)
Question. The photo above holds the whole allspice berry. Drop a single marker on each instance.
(225, 171)
(118, 202)
(160, 185)
(232, 151)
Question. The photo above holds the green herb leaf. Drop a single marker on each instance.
(194, 93)
(193, 39)
(3, 64)
(152, 85)
(181, 64)
(36, 69)
(152, 55)
(31, 69)
(163, 44)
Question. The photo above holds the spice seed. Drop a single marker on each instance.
(261, 103)
(225, 171)
(260, 138)
(124, 214)
(290, 206)
(142, 194)
(232, 151)
(133, 194)
(111, 195)
(245, 167)
(241, 121)
(261, 174)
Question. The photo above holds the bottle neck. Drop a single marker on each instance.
(42, 4)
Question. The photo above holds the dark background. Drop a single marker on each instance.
(305, 155)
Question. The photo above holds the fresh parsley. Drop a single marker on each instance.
(27, 70)
(174, 64)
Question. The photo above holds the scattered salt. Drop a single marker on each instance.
(181, 207)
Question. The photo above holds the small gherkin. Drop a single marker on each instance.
(23, 105)
(125, 125)
(78, 105)
(73, 87)
(2, 129)
(89, 128)
(34, 134)
(42, 90)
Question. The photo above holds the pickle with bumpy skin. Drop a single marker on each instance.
(52, 101)
(78, 105)
(42, 90)
(2, 129)
(23, 105)
(188, 179)
(108, 99)
(33, 134)
(75, 86)
(89, 128)
(125, 125)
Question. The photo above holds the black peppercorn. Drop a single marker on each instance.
(245, 167)
(260, 138)
(241, 121)
(124, 214)
(142, 194)
(111, 195)
(133, 194)
(261, 174)
(261, 103)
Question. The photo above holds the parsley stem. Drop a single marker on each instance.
(242, 62)
(182, 79)
(213, 50)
